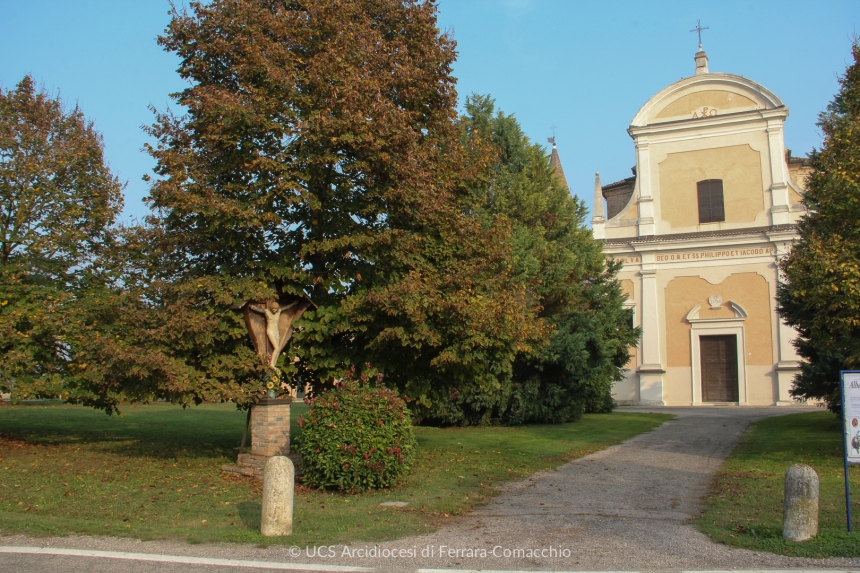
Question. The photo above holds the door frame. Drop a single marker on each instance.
(717, 327)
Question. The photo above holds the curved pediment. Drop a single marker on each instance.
(737, 310)
(705, 95)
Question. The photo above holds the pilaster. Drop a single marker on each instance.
(651, 370)
(643, 185)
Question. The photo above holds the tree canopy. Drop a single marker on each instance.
(57, 194)
(564, 277)
(320, 154)
(821, 293)
(58, 202)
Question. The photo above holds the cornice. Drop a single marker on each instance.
(775, 230)
(725, 121)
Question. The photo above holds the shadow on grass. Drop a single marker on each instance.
(159, 431)
(250, 513)
(109, 476)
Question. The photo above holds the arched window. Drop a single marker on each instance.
(711, 208)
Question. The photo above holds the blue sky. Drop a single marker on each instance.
(584, 66)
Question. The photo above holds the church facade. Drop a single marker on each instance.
(700, 227)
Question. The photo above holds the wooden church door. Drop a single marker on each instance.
(719, 368)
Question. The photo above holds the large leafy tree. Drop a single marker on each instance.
(821, 293)
(320, 154)
(574, 284)
(58, 202)
(80, 316)
(563, 274)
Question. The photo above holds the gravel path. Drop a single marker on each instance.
(625, 508)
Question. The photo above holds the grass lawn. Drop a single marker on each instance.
(744, 505)
(155, 473)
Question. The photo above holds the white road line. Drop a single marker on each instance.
(696, 571)
(532, 571)
(323, 567)
(180, 559)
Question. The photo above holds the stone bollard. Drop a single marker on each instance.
(278, 486)
(801, 503)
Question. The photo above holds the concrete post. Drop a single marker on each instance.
(278, 486)
(801, 503)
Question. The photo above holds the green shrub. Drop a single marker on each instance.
(356, 437)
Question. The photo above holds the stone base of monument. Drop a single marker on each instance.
(270, 436)
(254, 466)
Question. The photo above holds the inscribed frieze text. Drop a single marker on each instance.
(725, 254)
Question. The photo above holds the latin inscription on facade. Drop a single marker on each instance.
(628, 260)
(704, 255)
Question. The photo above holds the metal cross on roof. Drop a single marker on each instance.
(552, 139)
(699, 29)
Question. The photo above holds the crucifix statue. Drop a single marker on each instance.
(698, 29)
(270, 323)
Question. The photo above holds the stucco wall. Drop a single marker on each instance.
(739, 167)
(678, 388)
(749, 290)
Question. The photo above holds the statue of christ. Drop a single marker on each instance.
(272, 311)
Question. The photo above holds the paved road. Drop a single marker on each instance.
(626, 508)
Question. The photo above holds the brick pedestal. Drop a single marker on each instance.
(270, 428)
(270, 436)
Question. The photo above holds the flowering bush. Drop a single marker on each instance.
(356, 437)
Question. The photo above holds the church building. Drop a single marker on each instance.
(700, 226)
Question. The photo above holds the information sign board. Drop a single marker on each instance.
(851, 414)
(849, 386)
